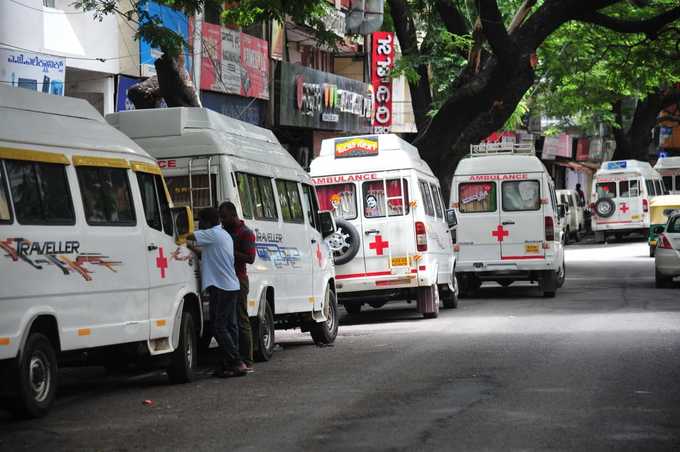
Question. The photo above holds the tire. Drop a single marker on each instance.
(662, 281)
(567, 236)
(562, 276)
(36, 377)
(652, 251)
(605, 207)
(184, 359)
(344, 242)
(549, 284)
(577, 236)
(324, 333)
(449, 298)
(468, 286)
(352, 308)
(428, 301)
(264, 335)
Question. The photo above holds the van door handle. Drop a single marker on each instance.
(152, 247)
(371, 231)
(505, 223)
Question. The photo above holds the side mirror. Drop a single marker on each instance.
(183, 219)
(658, 230)
(561, 211)
(327, 223)
(451, 218)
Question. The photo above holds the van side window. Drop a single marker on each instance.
(677, 183)
(624, 191)
(5, 211)
(264, 203)
(40, 193)
(340, 199)
(668, 182)
(289, 199)
(634, 188)
(107, 199)
(659, 187)
(166, 215)
(650, 188)
(606, 190)
(312, 205)
(477, 197)
(427, 198)
(521, 195)
(436, 200)
(374, 198)
(152, 211)
(244, 196)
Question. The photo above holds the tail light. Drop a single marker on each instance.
(645, 205)
(664, 243)
(421, 236)
(549, 229)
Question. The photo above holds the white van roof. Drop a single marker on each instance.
(189, 132)
(30, 117)
(667, 163)
(499, 164)
(392, 153)
(627, 166)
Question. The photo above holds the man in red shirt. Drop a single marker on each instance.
(244, 253)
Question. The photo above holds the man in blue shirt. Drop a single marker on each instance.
(218, 277)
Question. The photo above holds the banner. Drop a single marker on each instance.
(382, 62)
(278, 38)
(233, 62)
(175, 21)
(33, 71)
(557, 146)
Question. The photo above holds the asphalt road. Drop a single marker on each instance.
(596, 368)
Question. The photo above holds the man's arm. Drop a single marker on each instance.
(246, 252)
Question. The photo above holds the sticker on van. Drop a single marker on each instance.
(356, 147)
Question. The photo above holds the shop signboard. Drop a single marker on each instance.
(557, 146)
(382, 63)
(32, 71)
(582, 149)
(320, 100)
(171, 19)
(234, 62)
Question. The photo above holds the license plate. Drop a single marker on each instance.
(531, 248)
(399, 261)
(636, 217)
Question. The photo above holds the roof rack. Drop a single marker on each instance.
(477, 150)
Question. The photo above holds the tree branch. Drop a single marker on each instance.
(452, 18)
(520, 15)
(503, 46)
(648, 26)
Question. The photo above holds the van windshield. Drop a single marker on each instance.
(606, 190)
(338, 198)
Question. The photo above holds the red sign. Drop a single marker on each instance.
(500, 233)
(161, 262)
(379, 245)
(341, 179)
(382, 62)
(255, 67)
(582, 149)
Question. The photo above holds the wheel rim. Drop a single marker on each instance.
(330, 313)
(267, 331)
(338, 242)
(189, 347)
(39, 376)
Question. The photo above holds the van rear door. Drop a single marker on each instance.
(479, 225)
(522, 218)
(629, 201)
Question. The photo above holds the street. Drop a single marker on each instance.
(597, 367)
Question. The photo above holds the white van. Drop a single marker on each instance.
(575, 223)
(508, 223)
(669, 168)
(91, 251)
(208, 158)
(394, 240)
(622, 190)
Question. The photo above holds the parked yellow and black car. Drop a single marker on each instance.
(660, 209)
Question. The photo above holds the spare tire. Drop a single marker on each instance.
(605, 207)
(344, 242)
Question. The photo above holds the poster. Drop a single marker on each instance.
(33, 71)
(175, 21)
(382, 62)
(122, 101)
(278, 34)
(254, 67)
(211, 58)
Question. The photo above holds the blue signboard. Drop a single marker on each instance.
(619, 164)
(122, 101)
(175, 21)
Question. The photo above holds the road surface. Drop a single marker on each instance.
(596, 368)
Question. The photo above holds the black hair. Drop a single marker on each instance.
(228, 207)
(209, 216)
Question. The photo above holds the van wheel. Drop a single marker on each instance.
(183, 361)
(549, 283)
(662, 281)
(449, 298)
(344, 242)
(577, 236)
(263, 334)
(352, 308)
(428, 301)
(561, 275)
(469, 285)
(36, 377)
(652, 251)
(324, 333)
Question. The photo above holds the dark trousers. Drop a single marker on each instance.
(245, 332)
(224, 318)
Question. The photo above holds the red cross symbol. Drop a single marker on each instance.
(319, 255)
(499, 233)
(161, 262)
(379, 245)
(623, 207)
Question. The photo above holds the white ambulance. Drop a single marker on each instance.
(508, 222)
(669, 168)
(208, 158)
(393, 240)
(622, 191)
(91, 251)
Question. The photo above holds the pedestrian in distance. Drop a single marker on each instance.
(244, 253)
(581, 196)
(218, 278)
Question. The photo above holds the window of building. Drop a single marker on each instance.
(107, 199)
(521, 195)
(40, 193)
(374, 198)
(477, 197)
(338, 198)
(147, 187)
(289, 200)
